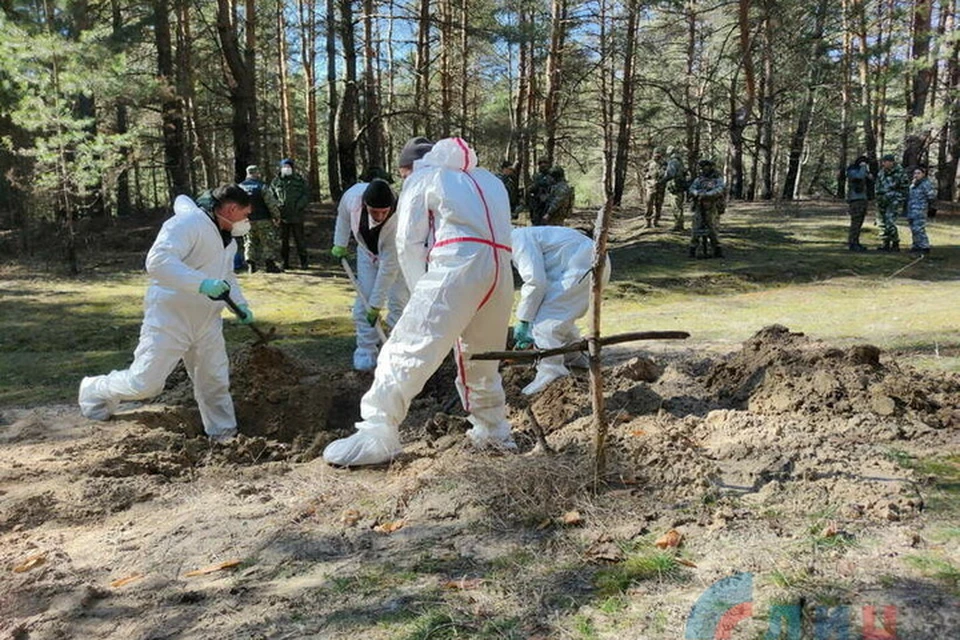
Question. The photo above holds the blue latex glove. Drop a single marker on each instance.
(339, 252)
(522, 338)
(214, 288)
(373, 315)
(247, 314)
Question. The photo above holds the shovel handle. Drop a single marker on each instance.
(240, 313)
(363, 298)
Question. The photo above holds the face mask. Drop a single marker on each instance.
(286, 171)
(240, 228)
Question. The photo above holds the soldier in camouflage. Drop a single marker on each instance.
(653, 176)
(508, 175)
(892, 185)
(920, 200)
(559, 203)
(291, 191)
(262, 245)
(707, 194)
(675, 180)
(858, 182)
(538, 192)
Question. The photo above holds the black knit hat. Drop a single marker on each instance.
(378, 195)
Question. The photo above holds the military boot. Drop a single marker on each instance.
(272, 267)
(895, 246)
(693, 251)
(717, 252)
(885, 246)
(251, 267)
(303, 261)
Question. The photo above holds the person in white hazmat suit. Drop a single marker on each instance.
(555, 264)
(453, 238)
(367, 210)
(190, 262)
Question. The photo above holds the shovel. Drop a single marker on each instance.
(363, 298)
(262, 337)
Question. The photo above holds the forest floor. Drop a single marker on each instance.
(802, 447)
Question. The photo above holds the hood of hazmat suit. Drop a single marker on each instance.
(453, 240)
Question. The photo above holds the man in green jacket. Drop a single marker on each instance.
(293, 195)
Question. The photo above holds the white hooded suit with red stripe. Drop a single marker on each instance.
(453, 240)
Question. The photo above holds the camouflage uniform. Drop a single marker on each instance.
(892, 185)
(921, 195)
(560, 199)
(537, 194)
(293, 195)
(675, 179)
(653, 176)
(262, 243)
(858, 179)
(509, 180)
(706, 192)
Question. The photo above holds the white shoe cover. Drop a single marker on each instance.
(543, 379)
(371, 444)
(484, 436)
(364, 360)
(92, 407)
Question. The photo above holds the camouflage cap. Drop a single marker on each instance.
(253, 170)
(705, 162)
(889, 157)
(556, 172)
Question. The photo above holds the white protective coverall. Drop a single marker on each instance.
(554, 263)
(178, 323)
(378, 274)
(453, 237)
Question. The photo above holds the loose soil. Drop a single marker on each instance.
(786, 458)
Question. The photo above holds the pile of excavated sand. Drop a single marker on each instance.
(785, 423)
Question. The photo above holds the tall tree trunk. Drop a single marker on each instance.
(347, 111)
(286, 119)
(799, 139)
(765, 139)
(333, 99)
(918, 134)
(551, 115)
(950, 133)
(845, 60)
(866, 92)
(372, 123)
(240, 76)
(195, 143)
(520, 134)
(171, 112)
(124, 206)
(691, 129)
(446, 70)
(626, 109)
(464, 67)
(607, 73)
(740, 115)
(422, 122)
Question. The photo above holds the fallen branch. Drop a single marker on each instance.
(581, 345)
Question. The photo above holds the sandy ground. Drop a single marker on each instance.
(784, 458)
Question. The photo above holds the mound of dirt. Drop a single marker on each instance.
(778, 372)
